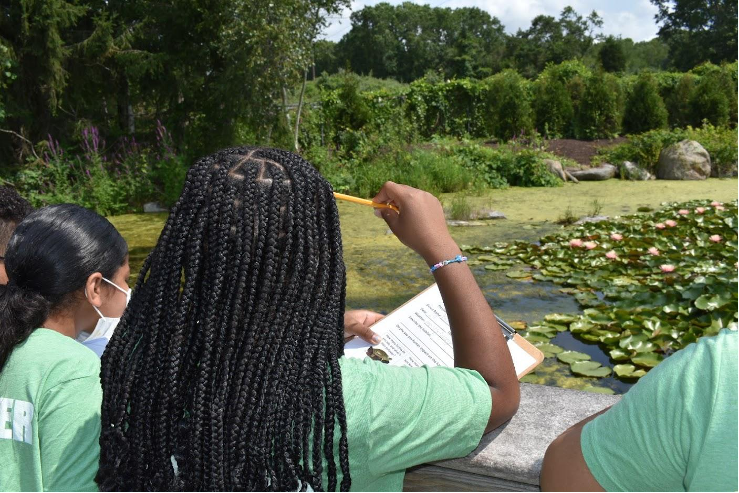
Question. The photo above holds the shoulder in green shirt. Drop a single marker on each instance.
(399, 417)
(50, 400)
(676, 430)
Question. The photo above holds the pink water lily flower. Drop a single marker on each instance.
(700, 210)
(616, 237)
(660, 225)
(667, 267)
(612, 255)
(670, 223)
(653, 251)
(590, 245)
(716, 203)
(715, 238)
(683, 212)
(720, 208)
(576, 242)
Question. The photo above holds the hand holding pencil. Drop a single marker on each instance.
(357, 200)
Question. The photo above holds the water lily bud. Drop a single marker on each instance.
(616, 237)
(683, 212)
(576, 243)
(590, 245)
(667, 267)
(715, 238)
(670, 223)
(612, 255)
(700, 210)
(653, 251)
(716, 203)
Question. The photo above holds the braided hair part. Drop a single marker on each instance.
(223, 373)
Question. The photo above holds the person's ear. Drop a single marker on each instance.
(94, 289)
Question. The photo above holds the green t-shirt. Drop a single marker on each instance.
(399, 417)
(676, 430)
(50, 400)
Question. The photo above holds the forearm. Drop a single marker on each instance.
(478, 341)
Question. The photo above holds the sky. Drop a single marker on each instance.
(626, 18)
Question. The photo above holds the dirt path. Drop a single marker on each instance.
(581, 151)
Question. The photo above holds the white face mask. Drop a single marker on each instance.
(106, 325)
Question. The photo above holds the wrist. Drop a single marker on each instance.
(442, 251)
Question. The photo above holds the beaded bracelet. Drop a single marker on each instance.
(458, 258)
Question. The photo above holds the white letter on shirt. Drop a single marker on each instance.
(6, 418)
(23, 422)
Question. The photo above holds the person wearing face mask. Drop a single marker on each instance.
(67, 273)
(103, 331)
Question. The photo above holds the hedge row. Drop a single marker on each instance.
(565, 101)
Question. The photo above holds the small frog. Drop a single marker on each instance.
(378, 355)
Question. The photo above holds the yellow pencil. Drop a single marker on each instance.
(357, 200)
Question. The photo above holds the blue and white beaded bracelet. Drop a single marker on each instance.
(458, 258)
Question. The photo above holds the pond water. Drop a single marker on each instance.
(382, 273)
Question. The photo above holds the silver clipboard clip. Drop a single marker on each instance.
(510, 332)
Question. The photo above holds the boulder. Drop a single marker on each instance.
(686, 160)
(555, 168)
(630, 171)
(603, 172)
(591, 219)
(154, 207)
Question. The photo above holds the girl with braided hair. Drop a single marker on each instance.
(227, 371)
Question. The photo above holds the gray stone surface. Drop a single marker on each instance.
(514, 452)
(631, 171)
(603, 172)
(154, 207)
(461, 223)
(591, 219)
(686, 160)
(555, 168)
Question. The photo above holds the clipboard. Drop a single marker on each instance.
(417, 333)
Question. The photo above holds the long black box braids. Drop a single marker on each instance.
(223, 373)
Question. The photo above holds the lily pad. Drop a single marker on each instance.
(496, 267)
(518, 274)
(619, 354)
(598, 390)
(570, 357)
(560, 318)
(649, 360)
(590, 369)
(546, 347)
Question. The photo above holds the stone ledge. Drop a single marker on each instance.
(509, 458)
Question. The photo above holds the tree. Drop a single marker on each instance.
(408, 40)
(612, 56)
(207, 69)
(644, 109)
(551, 40)
(698, 30)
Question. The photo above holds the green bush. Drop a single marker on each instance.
(710, 101)
(113, 183)
(599, 114)
(644, 149)
(506, 165)
(678, 101)
(644, 109)
(552, 108)
(509, 99)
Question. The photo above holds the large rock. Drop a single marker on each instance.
(631, 171)
(603, 172)
(555, 168)
(686, 160)
(151, 207)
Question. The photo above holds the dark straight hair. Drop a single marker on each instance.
(49, 257)
(224, 371)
